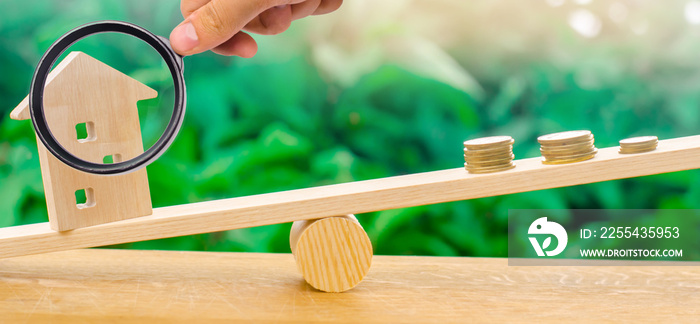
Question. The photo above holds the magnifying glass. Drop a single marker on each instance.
(36, 97)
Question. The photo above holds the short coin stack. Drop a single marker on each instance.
(567, 147)
(638, 144)
(489, 154)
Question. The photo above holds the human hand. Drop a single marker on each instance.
(217, 24)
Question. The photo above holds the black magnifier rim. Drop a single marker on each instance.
(36, 97)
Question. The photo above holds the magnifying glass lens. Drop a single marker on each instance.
(109, 112)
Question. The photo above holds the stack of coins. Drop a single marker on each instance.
(638, 144)
(567, 147)
(489, 154)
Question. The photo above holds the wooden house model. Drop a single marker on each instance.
(91, 110)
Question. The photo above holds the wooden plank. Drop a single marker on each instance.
(102, 286)
(352, 198)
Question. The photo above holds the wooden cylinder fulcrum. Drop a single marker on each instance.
(333, 254)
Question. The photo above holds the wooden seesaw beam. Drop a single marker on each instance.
(353, 198)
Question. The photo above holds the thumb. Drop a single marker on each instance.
(216, 22)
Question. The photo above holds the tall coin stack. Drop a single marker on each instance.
(638, 144)
(489, 154)
(567, 147)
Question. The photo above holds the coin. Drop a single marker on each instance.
(640, 147)
(640, 140)
(565, 137)
(488, 142)
(489, 153)
(569, 160)
(568, 146)
(650, 144)
(562, 153)
(639, 144)
(470, 158)
(489, 169)
(593, 150)
(489, 162)
(639, 150)
(491, 141)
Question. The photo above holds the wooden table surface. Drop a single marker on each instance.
(98, 285)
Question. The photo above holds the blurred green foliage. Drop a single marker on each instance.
(289, 119)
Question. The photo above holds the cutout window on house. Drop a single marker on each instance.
(85, 132)
(114, 158)
(84, 198)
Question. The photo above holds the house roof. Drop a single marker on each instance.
(21, 112)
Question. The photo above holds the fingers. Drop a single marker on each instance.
(210, 25)
(187, 7)
(271, 21)
(304, 9)
(241, 44)
(328, 6)
(278, 19)
(215, 22)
